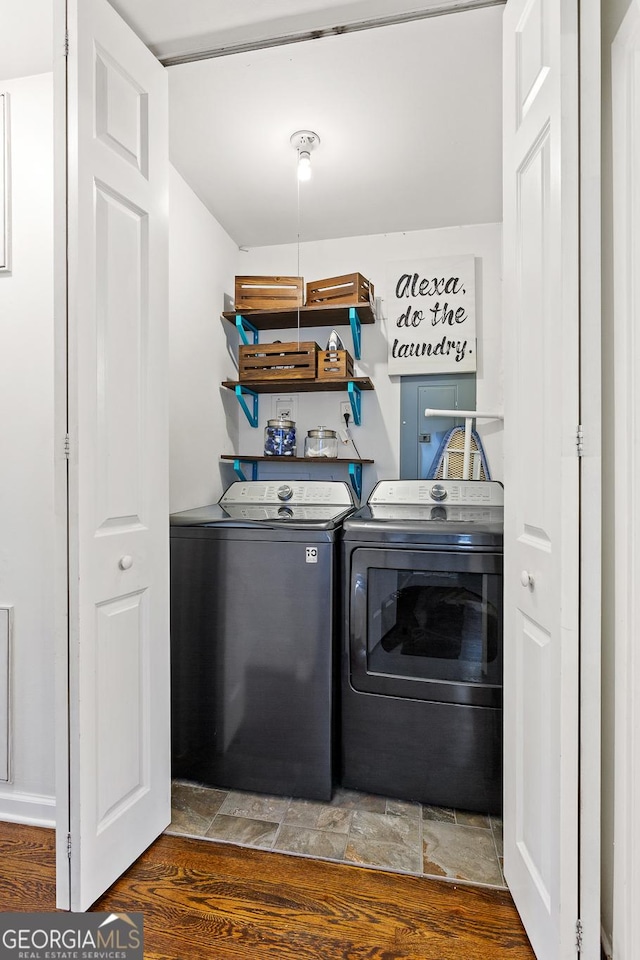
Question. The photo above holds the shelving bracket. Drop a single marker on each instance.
(237, 466)
(355, 398)
(354, 320)
(244, 327)
(355, 475)
(251, 415)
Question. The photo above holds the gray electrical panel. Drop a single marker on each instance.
(420, 436)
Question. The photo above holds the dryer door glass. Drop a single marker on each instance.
(427, 624)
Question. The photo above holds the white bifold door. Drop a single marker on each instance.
(118, 549)
(541, 408)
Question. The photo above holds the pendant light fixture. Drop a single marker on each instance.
(304, 142)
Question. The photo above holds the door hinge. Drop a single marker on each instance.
(67, 446)
(66, 43)
(579, 935)
(580, 440)
(69, 846)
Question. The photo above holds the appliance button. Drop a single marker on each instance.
(438, 492)
(284, 492)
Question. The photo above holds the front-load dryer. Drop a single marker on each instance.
(421, 710)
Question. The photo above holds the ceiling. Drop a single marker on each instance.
(25, 38)
(408, 115)
(409, 120)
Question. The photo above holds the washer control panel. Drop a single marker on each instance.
(306, 493)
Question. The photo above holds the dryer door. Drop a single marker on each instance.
(427, 625)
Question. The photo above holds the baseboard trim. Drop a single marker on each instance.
(607, 949)
(29, 808)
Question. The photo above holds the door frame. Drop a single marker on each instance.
(61, 460)
(590, 398)
(626, 232)
(591, 486)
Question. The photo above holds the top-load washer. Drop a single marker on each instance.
(422, 649)
(255, 636)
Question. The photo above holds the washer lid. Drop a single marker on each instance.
(254, 515)
(317, 503)
(427, 527)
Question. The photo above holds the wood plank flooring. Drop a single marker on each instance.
(208, 900)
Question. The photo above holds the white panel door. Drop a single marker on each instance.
(541, 282)
(119, 743)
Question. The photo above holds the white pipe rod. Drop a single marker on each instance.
(467, 448)
(435, 412)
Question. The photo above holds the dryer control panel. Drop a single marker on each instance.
(485, 493)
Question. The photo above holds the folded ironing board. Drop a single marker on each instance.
(448, 462)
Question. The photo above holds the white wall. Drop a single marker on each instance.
(26, 475)
(203, 417)
(379, 436)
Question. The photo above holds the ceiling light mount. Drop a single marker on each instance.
(304, 142)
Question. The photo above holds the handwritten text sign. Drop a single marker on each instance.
(431, 319)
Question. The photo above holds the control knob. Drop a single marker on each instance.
(438, 492)
(284, 492)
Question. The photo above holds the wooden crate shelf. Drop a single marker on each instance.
(278, 361)
(350, 289)
(268, 293)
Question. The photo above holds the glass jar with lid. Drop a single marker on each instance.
(321, 442)
(280, 438)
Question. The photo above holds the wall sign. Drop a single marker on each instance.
(431, 319)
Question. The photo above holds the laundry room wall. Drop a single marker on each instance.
(26, 475)
(202, 422)
(378, 437)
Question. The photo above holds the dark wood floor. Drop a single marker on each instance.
(208, 900)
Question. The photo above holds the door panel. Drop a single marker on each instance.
(119, 747)
(541, 469)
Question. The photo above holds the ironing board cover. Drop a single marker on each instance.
(453, 445)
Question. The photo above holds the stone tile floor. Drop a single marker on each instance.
(356, 828)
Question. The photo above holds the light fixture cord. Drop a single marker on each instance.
(298, 241)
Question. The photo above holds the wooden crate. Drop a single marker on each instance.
(279, 361)
(335, 365)
(268, 293)
(349, 290)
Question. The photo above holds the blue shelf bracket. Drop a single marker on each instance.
(237, 466)
(251, 415)
(244, 327)
(355, 397)
(354, 320)
(355, 475)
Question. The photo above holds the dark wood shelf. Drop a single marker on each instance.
(313, 316)
(299, 386)
(250, 458)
